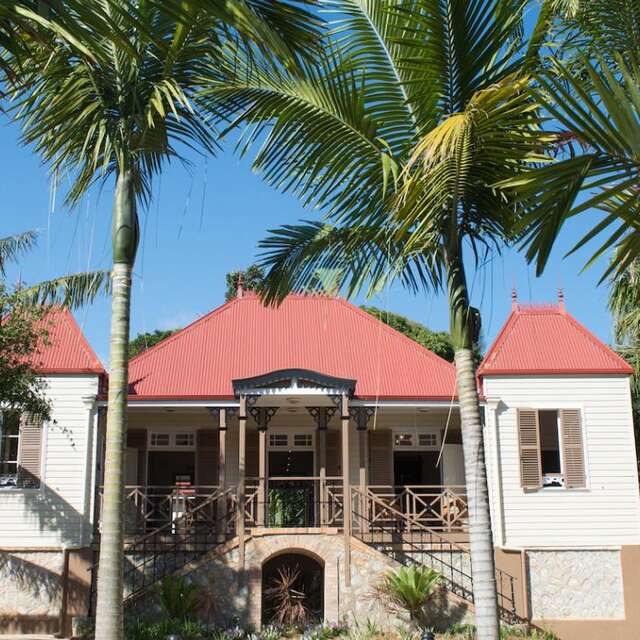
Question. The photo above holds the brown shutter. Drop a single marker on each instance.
(333, 454)
(529, 441)
(381, 457)
(207, 457)
(575, 476)
(137, 438)
(30, 451)
(252, 455)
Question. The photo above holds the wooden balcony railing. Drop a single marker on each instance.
(303, 502)
(439, 508)
(149, 507)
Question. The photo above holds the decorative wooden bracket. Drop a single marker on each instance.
(361, 416)
(262, 416)
(322, 416)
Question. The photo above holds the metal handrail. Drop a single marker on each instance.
(431, 544)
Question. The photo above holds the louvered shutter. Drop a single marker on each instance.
(575, 476)
(207, 457)
(252, 454)
(381, 457)
(333, 454)
(529, 441)
(137, 439)
(30, 451)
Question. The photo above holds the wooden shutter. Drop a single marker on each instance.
(30, 451)
(334, 466)
(381, 457)
(575, 476)
(137, 439)
(252, 455)
(207, 457)
(529, 441)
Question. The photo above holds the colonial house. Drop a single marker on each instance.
(314, 436)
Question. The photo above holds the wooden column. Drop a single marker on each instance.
(242, 454)
(262, 474)
(362, 458)
(322, 472)
(346, 488)
(222, 473)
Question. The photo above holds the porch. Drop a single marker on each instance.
(295, 451)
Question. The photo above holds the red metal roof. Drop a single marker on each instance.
(545, 339)
(65, 349)
(243, 338)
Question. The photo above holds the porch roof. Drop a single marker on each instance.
(244, 339)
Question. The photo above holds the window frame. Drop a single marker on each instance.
(415, 432)
(171, 446)
(290, 435)
(558, 407)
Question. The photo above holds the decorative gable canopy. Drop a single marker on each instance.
(333, 343)
(546, 340)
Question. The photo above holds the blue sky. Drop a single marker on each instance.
(206, 222)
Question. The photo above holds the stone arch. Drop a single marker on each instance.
(308, 572)
(327, 551)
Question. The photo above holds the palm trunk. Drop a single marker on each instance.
(463, 322)
(109, 609)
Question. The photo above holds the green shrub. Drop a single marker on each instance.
(145, 630)
(178, 597)
(410, 589)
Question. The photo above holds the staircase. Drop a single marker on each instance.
(150, 558)
(400, 537)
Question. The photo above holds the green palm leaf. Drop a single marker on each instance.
(72, 291)
(12, 247)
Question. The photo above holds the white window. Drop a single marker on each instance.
(415, 438)
(303, 440)
(160, 439)
(9, 438)
(185, 439)
(427, 439)
(278, 440)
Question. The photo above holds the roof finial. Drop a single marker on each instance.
(514, 297)
(560, 299)
(240, 288)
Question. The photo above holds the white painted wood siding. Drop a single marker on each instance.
(607, 512)
(58, 514)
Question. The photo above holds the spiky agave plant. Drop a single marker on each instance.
(410, 589)
(288, 598)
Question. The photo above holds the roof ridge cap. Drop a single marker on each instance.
(163, 343)
(496, 345)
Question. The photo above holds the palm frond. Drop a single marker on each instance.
(12, 247)
(72, 291)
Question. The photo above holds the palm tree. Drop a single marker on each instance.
(74, 290)
(399, 133)
(110, 96)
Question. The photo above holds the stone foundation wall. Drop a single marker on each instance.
(576, 585)
(31, 588)
(234, 599)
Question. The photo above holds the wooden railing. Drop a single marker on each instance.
(440, 508)
(399, 536)
(147, 508)
(285, 502)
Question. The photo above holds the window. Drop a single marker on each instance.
(185, 439)
(160, 439)
(304, 440)
(551, 448)
(278, 440)
(414, 438)
(427, 439)
(9, 439)
(403, 440)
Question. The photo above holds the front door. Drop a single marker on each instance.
(290, 502)
(415, 468)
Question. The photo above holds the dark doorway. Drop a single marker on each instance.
(292, 590)
(415, 468)
(166, 467)
(291, 502)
